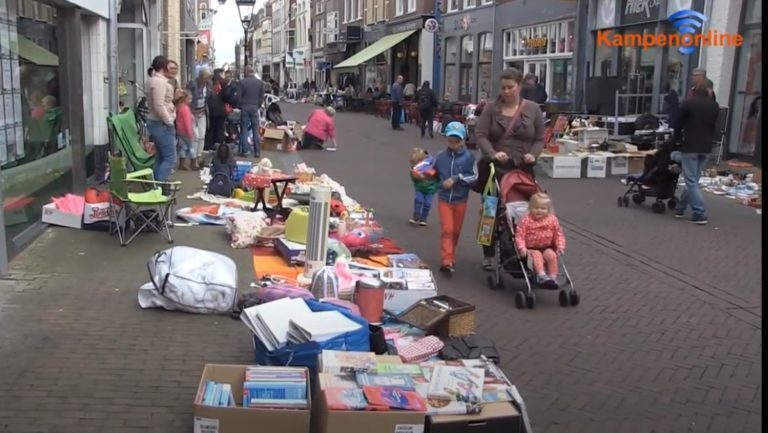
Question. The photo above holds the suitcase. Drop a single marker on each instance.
(297, 225)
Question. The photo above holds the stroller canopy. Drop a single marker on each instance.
(518, 185)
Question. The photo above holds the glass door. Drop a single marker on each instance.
(131, 64)
(539, 69)
(747, 102)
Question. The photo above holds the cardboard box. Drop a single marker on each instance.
(596, 166)
(271, 144)
(618, 166)
(357, 421)
(240, 419)
(562, 166)
(500, 417)
(636, 164)
(53, 216)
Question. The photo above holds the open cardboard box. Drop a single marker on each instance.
(240, 419)
(499, 417)
(357, 421)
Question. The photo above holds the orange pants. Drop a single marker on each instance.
(547, 257)
(451, 220)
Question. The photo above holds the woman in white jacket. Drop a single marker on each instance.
(161, 117)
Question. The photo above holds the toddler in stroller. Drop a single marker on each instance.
(658, 180)
(529, 236)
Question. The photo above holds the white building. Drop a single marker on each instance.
(279, 41)
(262, 40)
(302, 54)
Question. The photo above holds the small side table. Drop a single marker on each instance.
(280, 187)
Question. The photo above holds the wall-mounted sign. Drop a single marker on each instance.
(638, 11)
(431, 25)
(537, 42)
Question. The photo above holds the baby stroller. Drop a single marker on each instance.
(658, 180)
(515, 190)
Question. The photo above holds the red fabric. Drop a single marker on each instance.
(184, 121)
(321, 125)
(544, 258)
(451, 221)
(518, 185)
(541, 234)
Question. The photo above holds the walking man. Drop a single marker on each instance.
(699, 78)
(397, 102)
(251, 98)
(696, 125)
(427, 101)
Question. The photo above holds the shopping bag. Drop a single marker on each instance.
(488, 211)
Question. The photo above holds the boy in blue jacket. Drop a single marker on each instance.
(456, 173)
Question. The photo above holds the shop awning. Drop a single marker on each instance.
(374, 50)
(36, 54)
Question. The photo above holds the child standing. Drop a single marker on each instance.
(540, 236)
(425, 185)
(455, 168)
(185, 131)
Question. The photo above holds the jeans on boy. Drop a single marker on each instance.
(164, 137)
(422, 203)
(693, 164)
(249, 121)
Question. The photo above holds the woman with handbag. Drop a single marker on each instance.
(510, 134)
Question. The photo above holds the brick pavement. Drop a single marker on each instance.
(648, 350)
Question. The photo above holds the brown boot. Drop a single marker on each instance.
(184, 164)
(195, 165)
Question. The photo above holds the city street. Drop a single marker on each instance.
(667, 337)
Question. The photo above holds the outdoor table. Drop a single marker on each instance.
(260, 183)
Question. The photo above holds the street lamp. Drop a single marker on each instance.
(245, 10)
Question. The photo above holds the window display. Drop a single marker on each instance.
(451, 73)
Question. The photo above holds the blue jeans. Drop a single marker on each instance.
(422, 203)
(187, 149)
(249, 121)
(164, 137)
(693, 164)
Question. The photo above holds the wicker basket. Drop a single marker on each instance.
(431, 315)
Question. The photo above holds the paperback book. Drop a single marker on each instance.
(394, 398)
(340, 362)
(345, 399)
(402, 381)
(456, 383)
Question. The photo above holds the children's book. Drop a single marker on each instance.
(327, 380)
(393, 380)
(456, 383)
(394, 398)
(345, 399)
(391, 368)
(339, 362)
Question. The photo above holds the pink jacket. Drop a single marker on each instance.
(321, 125)
(184, 126)
(537, 235)
(159, 94)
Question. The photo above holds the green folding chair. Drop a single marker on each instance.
(151, 209)
(125, 129)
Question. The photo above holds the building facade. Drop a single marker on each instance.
(320, 34)
(302, 53)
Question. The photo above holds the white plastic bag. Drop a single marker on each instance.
(192, 280)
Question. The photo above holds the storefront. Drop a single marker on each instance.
(747, 91)
(537, 37)
(467, 42)
(412, 57)
(43, 136)
(642, 76)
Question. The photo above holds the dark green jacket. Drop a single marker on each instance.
(429, 185)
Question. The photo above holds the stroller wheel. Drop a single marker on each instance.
(620, 201)
(520, 300)
(574, 298)
(626, 201)
(493, 284)
(658, 207)
(672, 204)
(530, 301)
(563, 298)
(638, 198)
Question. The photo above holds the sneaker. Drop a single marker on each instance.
(413, 221)
(330, 149)
(541, 279)
(700, 220)
(423, 223)
(550, 284)
(487, 264)
(448, 270)
(679, 214)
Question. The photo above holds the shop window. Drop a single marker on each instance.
(604, 61)
(562, 80)
(466, 75)
(485, 65)
(451, 86)
(748, 99)
(453, 5)
(554, 38)
(486, 48)
(468, 4)
(754, 12)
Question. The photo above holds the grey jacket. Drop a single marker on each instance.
(527, 138)
(251, 92)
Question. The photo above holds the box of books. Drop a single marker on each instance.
(235, 398)
(405, 287)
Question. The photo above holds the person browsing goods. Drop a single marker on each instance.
(251, 99)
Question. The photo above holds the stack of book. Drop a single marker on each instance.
(218, 394)
(319, 326)
(275, 387)
(360, 381)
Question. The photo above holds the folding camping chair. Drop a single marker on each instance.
(127, 136)
(151, 209)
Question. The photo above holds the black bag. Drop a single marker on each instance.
(469, 347)
(221, 184)
(424, 101)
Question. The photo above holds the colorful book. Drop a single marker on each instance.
(388, 368)
(394, 398)
(345, 399)
(402, 381)
(327, 380)
(456, 383)
(339, 362)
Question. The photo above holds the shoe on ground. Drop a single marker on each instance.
(487, 264)
(679, 214)
(330, 149)
(413, 221)
(423, 223)
(700, 220)
(447, 270)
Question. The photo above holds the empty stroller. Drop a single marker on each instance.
(658, 180)
(515, 190)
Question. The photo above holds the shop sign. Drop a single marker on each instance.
(638, 11)
(431, 25)
(298, 55)
(464, 23)
(406, 26)
(539, 42)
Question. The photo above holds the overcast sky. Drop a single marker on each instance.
(227, 30)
